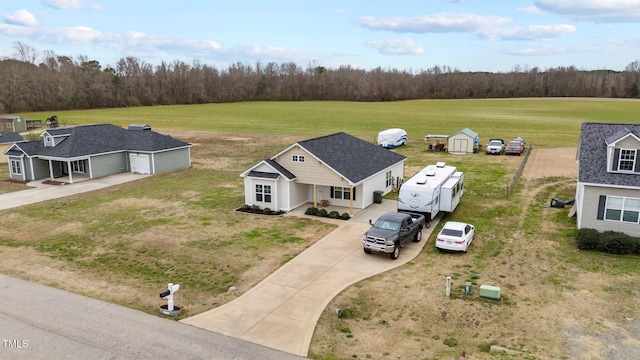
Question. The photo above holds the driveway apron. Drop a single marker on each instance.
(281, 312)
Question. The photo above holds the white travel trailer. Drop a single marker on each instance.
(433, 189)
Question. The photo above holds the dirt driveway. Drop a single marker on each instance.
(558, 162)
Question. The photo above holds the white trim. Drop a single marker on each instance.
(613, 186)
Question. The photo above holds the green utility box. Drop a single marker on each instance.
(377, 197)
(490, 292)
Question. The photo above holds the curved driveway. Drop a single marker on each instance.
(281, 312)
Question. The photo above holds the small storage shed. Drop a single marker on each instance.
(465, 141)
(10, 124)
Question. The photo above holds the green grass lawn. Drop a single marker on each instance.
(180, 226)
(545, 122)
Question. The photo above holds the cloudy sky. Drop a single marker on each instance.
(470, 35)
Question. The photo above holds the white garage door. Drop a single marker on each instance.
(140, 164)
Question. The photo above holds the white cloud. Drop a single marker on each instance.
(530, 10)
(594, 10)
(396, 47)
(533, 32)
(21, 17)
(71, 4)
(438, 23)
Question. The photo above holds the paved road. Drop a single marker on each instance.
(40, 322)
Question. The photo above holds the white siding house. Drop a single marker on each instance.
(608, 188)
(339, 169)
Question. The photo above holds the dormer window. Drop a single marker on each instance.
(627, 159)
(297, 158)
(48, 141)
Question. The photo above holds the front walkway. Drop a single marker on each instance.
(43, 192)
(281, 312)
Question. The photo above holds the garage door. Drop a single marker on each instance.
(139, 164)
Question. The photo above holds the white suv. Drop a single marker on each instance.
(495, 146)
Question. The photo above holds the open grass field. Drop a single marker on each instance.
(125, 243)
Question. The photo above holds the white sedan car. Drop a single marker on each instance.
(455, 236)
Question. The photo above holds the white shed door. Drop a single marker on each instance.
(140, 164)
(460, 145)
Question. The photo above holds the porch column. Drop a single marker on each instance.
(315, 196)
(70, 170)
(51, 169)
(351, 201)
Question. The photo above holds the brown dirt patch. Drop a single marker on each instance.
(557, 162)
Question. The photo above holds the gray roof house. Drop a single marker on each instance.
(9, 138)
(92, 151)
(339, 169)
(608, 189)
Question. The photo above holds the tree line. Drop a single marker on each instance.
(46, 81)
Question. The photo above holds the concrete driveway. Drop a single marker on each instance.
(281, 312)
(43, 192)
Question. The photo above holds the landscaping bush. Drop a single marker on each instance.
(267, 211)
(334, 214)
(322, 213)
(345, 216)
(311, 211)
(255, 207)
(588, 239)
(245, 207)
(612, 242)
(618, 243)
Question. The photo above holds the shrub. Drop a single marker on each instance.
(266, 211)
(245, 207)
(612, 242)
(345, 216)
(588, 239)
(617, 243)
(334, 214)
(255, 207)
(322, 213)
(311, 211)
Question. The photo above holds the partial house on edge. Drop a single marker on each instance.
(608, 189)
(92, 151)
(338, 169)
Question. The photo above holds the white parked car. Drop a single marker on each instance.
(455, 236)
(495, 146)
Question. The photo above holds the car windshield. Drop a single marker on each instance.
(514, 143)
(452, 232)
(495, 143)
(387, 225)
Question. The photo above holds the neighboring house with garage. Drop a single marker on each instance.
(337, 169)
(608, 189)
(92, 151)
(465, 141)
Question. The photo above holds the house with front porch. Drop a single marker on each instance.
(338, 169)
(608, 188)
(92, 151)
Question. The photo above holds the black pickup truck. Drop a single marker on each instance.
(393, 231)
